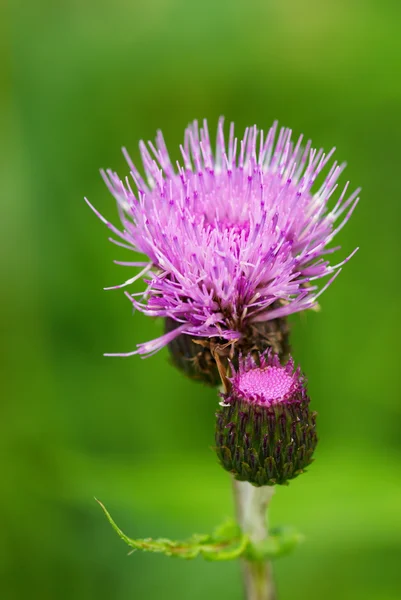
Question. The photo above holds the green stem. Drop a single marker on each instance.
(251, 506)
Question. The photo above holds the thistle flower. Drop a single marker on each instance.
(265, 433)
(235, 239)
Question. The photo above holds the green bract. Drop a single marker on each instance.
(265, 445)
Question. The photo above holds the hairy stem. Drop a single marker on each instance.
(251, 506)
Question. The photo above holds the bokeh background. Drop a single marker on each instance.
(79, 79)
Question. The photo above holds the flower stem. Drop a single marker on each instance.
(251, 506)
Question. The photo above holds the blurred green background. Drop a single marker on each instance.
(79, 79)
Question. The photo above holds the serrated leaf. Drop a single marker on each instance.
(280, 542)
(226, 543)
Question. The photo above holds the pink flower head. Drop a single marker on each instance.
(265, 431)
(232, 237)
(267, 382)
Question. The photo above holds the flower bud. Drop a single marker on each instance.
(265, 432)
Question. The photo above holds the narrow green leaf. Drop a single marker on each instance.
(280, 542)
(226, 543)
